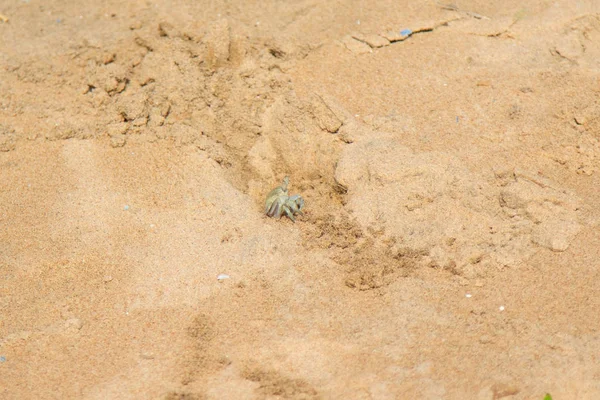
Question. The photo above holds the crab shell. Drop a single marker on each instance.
(279, 202)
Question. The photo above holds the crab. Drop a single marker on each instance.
(279, 202)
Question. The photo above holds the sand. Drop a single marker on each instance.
(448, 156)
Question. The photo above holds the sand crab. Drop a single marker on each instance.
(278, 202)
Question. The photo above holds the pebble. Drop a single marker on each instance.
(107, 278)
(501, 308)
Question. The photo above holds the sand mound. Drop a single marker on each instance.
(465, 221)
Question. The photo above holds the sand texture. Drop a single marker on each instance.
(449, 160)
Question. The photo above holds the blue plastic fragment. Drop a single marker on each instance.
(126, 208)
(2, 359)
(406, 32)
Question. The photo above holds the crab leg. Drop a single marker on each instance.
(278, 210)
(289, 213)
(275, 209)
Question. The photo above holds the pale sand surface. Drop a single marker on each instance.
(450, 247)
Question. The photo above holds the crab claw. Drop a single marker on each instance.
(286, 182)
(297, 203)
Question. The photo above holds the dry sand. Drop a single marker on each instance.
(451, 243)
